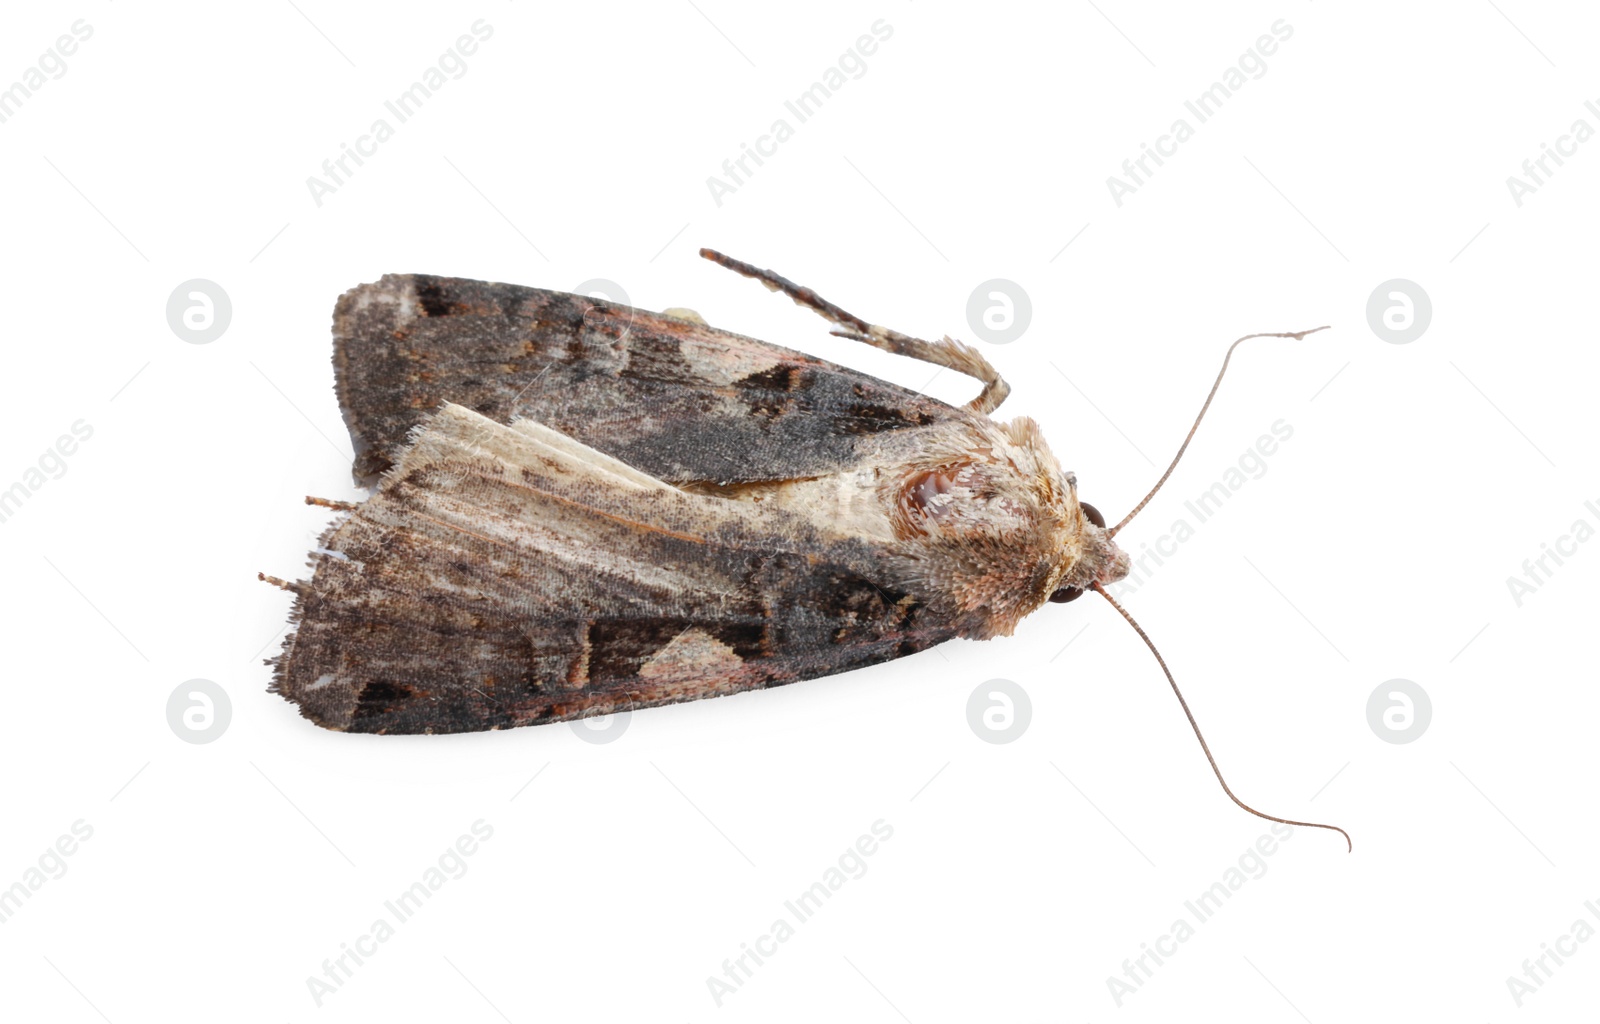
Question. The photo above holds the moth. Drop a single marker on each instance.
(582, 508)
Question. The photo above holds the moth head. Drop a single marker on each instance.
(1100, 560)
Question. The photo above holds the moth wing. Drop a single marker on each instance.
(510, 575)
(678, 399)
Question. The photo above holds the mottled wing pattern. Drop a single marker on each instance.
(509, 575)
(680, 400)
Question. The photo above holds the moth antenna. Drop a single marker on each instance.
(946, 352)
(1296, 335)
(1196, 725)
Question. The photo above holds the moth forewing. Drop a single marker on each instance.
(501, 576)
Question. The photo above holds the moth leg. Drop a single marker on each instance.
(293, 588)
(946, 352)
(333, 503)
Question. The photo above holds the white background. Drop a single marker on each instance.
(1020, 876)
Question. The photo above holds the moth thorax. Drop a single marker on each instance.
(928, 495)
(937, 494)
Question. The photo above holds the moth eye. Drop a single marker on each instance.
(921, 493)
(1094, 516)
(1066, 594)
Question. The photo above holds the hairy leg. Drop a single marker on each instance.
(946, 352)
